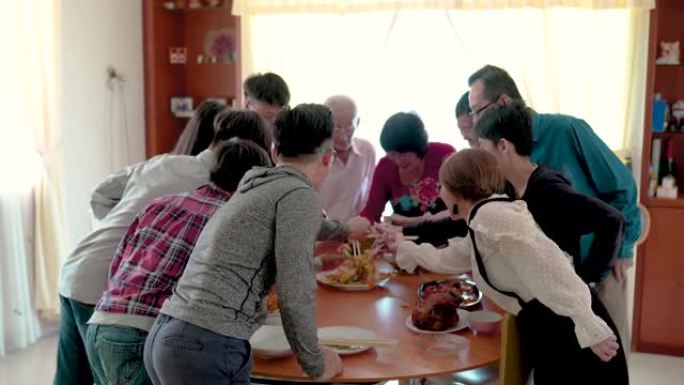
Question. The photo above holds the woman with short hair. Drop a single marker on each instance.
(568, 331)
(408, 175)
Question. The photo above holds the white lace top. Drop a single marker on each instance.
(519, 258)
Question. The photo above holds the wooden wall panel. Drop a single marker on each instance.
(163, 29)
(661, 326)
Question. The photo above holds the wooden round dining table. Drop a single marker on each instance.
(384, 310)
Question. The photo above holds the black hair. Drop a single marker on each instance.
(302, 130)
(496, 82)
(231, 123)
(404, 132)
(463, 106)
(234, 158)
(199, 132)
(512, 122)
(269, 88)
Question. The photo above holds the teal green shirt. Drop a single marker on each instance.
(570, 146)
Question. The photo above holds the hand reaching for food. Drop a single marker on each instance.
(358, 227)
(392, 241)
(401, 220)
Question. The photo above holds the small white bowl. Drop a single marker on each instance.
(484, 321)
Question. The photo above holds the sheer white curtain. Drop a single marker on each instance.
(30, 213)
(576, 61)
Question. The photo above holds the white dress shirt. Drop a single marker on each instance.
(85, 272)
(345, 191)
(519, 258)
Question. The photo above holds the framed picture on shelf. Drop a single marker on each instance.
(219, 46)
(181, 105)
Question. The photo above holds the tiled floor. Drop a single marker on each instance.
(36, 366)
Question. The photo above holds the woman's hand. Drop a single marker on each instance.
(400, 220)
(393, 240)
(332, 364)
(607, 349)
(620, 267)
(383, 228)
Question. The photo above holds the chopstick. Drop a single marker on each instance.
(356, 248)
(357, 341)
(406, 237)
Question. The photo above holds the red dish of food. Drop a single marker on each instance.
(436, 312)
(461, 287)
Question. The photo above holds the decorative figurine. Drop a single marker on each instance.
(678, 114)
(670, 53)
(178, 55)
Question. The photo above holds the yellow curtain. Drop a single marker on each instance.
(50, 248)
(32, 132)
(256, 7)
(582, 62)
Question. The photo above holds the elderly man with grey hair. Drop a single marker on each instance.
(345, 192)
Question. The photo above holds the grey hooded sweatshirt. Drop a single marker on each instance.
(264, 234)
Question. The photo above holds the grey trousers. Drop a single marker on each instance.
(180, 353)
(613, 294)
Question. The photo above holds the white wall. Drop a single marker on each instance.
(97, 34)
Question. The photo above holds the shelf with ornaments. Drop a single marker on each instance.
(665, 202)
(197, 5)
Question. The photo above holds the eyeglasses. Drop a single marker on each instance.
(348, 129)
(479, 110)
(324, 149)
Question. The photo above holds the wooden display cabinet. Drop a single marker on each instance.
(164, 28)
(658, 325)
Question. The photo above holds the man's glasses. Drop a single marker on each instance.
(348, 129)
(480, 110)
(324, 149)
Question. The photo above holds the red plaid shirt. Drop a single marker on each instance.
(155, 250)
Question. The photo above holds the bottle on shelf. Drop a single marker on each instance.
(668, 187)
(660, 114)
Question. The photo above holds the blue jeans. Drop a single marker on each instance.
(72, 360)
(180, 353)
(116, 354)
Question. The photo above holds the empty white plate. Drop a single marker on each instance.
(269, 341)
(342, 332)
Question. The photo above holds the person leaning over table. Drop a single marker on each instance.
(569, 334)
(570, 146)
(407, 176)
(263, 235)
(195, 138)
(438, 232)
(150, 260)
(266, 94)
(116, 202)
(562, 213)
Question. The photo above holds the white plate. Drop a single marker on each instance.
(269, 341)
(322, 277)
(462, 324)
(342, 332)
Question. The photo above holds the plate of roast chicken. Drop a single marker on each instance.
(441, 304)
